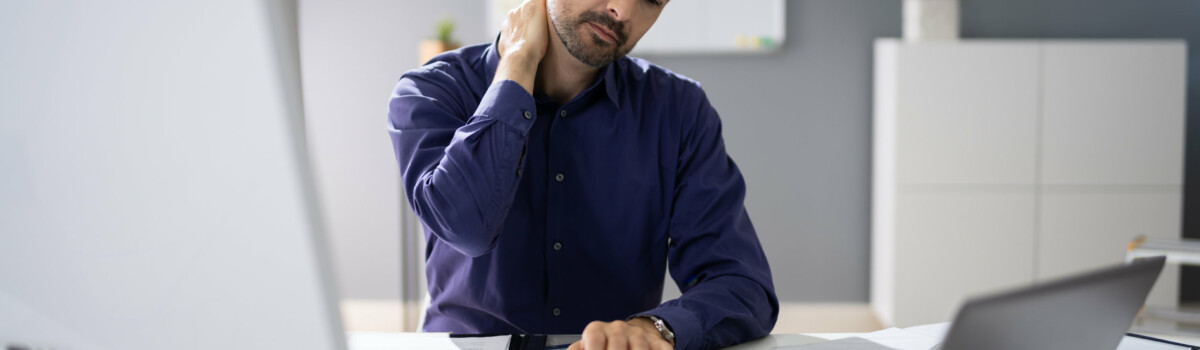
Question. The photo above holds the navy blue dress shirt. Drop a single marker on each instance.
(540, 217)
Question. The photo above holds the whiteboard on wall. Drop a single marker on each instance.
(697, 26)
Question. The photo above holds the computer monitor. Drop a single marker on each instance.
(155, 191)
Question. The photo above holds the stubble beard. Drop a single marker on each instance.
(599, 54)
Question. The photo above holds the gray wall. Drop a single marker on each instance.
(1111, 19)
(798, 123)
(352, 53)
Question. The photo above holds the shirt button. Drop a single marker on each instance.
(557, 312)
(528, 115)
(519, 171)
(557, 246)
(558, 177)
(562, 113)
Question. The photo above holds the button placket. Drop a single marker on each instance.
(557, 149)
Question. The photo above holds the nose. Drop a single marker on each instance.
(622, 10)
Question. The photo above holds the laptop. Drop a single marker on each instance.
(1088, 311)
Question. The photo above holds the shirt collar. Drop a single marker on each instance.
(609, 75)
(610, 82)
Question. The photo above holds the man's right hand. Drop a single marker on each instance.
(522, 44)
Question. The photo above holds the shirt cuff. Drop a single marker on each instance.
(683, 323)
(509, 103)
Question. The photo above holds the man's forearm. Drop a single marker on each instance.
(460, 178)
(464, 194)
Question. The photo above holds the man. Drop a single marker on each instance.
(556, 178)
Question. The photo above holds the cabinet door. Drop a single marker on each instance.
(1081, 231)
(1113, 112)
(966, 113)
(951, 245)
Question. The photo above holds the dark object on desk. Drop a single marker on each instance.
(1087, 312)
(1146, 337)
(516, 341)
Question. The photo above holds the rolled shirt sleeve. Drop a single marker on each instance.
(460, 171)
(715, 256)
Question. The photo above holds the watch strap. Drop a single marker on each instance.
(661, 326)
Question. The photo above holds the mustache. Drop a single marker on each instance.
(617, 28)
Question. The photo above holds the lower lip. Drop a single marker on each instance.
(602, 33)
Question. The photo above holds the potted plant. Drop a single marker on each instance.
(444, 42)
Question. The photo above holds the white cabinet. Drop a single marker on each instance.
(1082, 229)
(1113, 113)
(989, 229)
(944, 132)
(999, 163)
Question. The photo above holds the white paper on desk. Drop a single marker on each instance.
(932, 330)
(939, 330)
(483, 343)
(1135, 343)
(424, 341)
(888, 339)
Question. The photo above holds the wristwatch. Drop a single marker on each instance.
(662, 327)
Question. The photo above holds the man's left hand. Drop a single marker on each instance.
(636, 334)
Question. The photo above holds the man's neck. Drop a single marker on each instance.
(561, 76)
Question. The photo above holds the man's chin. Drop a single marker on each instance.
(598, 61)
(596, 53)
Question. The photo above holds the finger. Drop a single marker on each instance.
(618, 335)
(639, 341)
(576, 345)
(593, 336)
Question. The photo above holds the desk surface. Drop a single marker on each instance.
(765, 343)
(398, 341)
(774, 340)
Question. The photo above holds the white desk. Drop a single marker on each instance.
(400, 341)
(403, 341)
(764, 343)
(774, 340)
